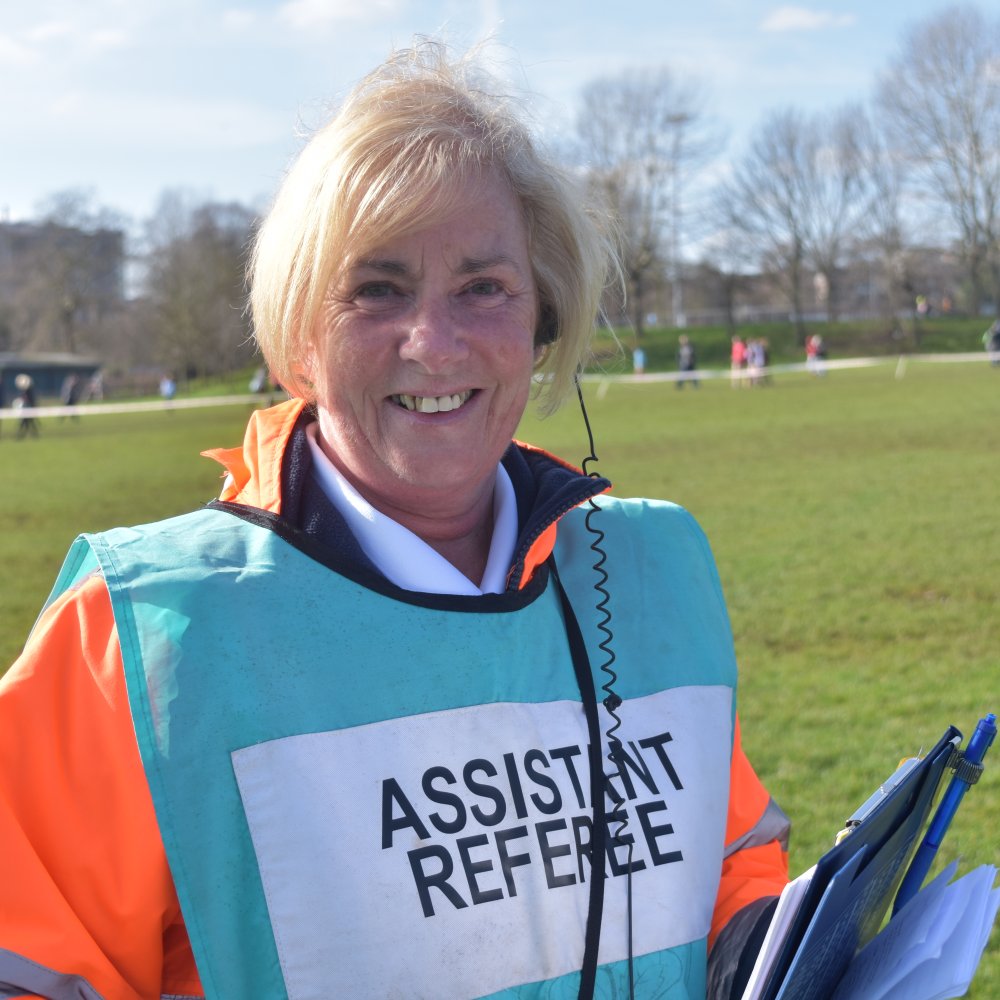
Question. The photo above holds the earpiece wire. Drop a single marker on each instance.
(612, 701)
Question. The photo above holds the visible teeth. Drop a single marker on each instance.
(446, 403)
(433, 404)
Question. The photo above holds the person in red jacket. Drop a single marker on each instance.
(349, 730)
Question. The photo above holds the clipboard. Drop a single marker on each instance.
(853, 884)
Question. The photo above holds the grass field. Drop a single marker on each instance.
(853, 518)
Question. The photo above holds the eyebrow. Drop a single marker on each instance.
(471, 265)
(384, 265)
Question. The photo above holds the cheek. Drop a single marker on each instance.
(513, 347)
(520, 360)
(316, 352)
(330, 363)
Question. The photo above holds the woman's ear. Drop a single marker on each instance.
(547, 331)
(306, 365)
(306, 371)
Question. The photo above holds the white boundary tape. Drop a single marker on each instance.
(705, 374)
(94, 409)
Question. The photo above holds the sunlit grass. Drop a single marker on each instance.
(854, 522)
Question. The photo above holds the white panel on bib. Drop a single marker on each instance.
(447, 854)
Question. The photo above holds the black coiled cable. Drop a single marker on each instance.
(612, 701)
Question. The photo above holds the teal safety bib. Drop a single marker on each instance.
(371, 793)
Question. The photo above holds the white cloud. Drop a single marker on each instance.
(13, 53)
(308, 14)
(157, 122)
(804, 19)
(490, 16)
(108, 38)
(47, 33)
(48, 30)
(66, 105)
(238, 18)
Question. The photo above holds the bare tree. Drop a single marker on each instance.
(729, 252)
(800, 194)
(642, 134)
(941, 99)
(63, 274)
(884, 238)
(194, 284)
(766, 201)
(840, 196)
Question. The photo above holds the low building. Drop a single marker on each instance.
(47, 371)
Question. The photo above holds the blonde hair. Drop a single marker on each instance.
(389, 163)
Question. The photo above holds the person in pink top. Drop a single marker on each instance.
(738, 361)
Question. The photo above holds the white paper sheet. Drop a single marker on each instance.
(784, 914)
(931, 948)
(929, 951)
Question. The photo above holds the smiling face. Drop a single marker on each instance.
(423, 362)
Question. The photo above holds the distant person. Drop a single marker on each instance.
(815, 354)
(737, 361)
(168, 388)
(69, 395)
(687, 363)
(95, 387)
(755, 360)
(991, 341)
(639, 361)
(764, 346)
(260, 381)
(25, 401)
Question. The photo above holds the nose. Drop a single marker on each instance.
(433, 338)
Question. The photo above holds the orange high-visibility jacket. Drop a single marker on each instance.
(87, 893)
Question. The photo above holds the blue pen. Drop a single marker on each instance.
(964, 778)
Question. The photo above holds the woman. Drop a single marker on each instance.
(368, 685)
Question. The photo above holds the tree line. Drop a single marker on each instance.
(917, 166)
(172, 301)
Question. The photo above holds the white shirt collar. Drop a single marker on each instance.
(401, 556)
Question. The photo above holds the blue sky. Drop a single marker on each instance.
(131, 97)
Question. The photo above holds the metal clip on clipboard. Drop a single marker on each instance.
(968, 767)
(906, 765)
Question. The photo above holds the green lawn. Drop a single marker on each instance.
(853, 517)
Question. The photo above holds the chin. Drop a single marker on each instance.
(433, 475)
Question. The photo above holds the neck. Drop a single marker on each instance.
(469, 553)
(463, 538)
(458, 528)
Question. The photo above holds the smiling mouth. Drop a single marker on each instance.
(432, 404)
